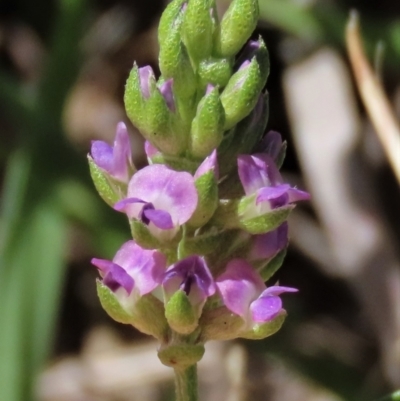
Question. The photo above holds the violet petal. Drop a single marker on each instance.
(166, 92)
(265, 309)
(160, 218)
(210, 163)
(277, 195)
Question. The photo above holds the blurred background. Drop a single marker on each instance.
(63, 65)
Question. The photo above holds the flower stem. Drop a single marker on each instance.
(186, 384)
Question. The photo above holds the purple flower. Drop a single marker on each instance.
(192, 276)
(115, 160)
(260, 177)
(210, 163)
(133, 272)
(245, 294)
(161, 198)
(266, 246)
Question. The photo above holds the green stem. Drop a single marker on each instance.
(186, 384)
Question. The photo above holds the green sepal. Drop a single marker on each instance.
(205, 244)
(146, 315)
(237, 25)
(171, 17)
(241, 94)
(265, 222)
(261, 331)
(220, 324)
(226, 216)
(109, 189)
(267, 270)
(208, 126)
(198, 30)
(241, 139)
(207, 190)
(176, 163)
(180, 313)
(111, 305)
(215, 71)
(181, 356)
(133, 99)
(142, 235)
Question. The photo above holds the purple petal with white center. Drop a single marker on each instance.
(167, 190)
(191, 275)
(114, 276)
(239, 285)
(265, 309)
(146, 76)
(210, 163)
(166, 92)
(265, 246)
(133, 268)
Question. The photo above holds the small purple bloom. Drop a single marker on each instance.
(146, 77)
(166, 91)
(133, 270)
(260, 176)
(161, 198)
(115, 160)
(192, 276)
(210, 163)
(266, 246)
(245, 294)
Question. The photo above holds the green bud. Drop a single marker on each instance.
(133, 98)
(237, 25)
(207, 189)
(261, 331)
(181, 356)
(181, 315)
(220, 324)
(197, 30)
(171, 17)
(215, 71)
(175, 63)
(146, 314)
(208, 125)
(241, 94)
(109, 189)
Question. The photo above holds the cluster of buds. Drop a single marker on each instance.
(207, 217)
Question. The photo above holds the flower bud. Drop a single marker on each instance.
(197, 30)
(206, 182)
(180, 313)
(175, 63)
(242, 92)
(237, 25)
(208, 126)
(215, 71)
(171, 17)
